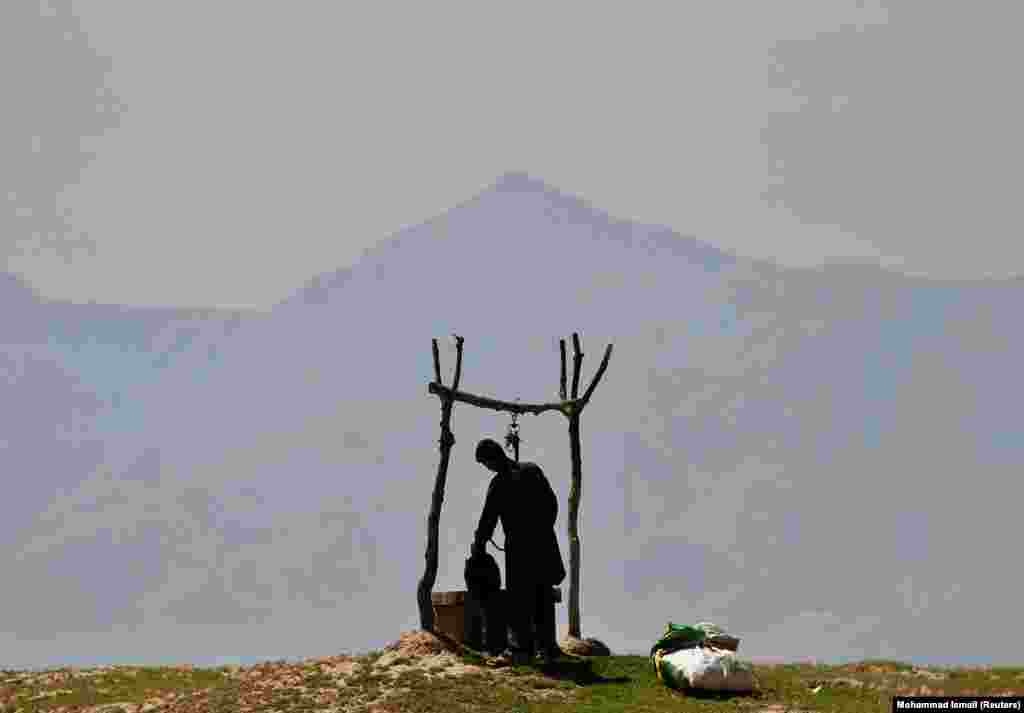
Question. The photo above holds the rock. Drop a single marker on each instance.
(421, 643)
(584, 647)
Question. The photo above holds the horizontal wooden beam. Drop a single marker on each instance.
(565, 407)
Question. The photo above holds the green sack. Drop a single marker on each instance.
(715, 636)
(709, 629)
(678, 636)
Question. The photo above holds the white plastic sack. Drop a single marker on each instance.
(707, 669)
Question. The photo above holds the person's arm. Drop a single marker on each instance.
(489, 517)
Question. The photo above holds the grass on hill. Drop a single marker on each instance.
(374, 684)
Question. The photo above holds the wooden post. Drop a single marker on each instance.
(577, 364)
(561, 380)
(447, 440)
(575, 494)
(576, 487)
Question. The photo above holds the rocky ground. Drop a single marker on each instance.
(332, 684)
(421, 673)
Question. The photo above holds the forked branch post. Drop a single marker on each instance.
(447, 440)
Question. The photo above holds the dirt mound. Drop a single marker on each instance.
(422, 643)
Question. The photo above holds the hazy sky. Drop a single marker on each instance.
(225, 489)
(250, 145)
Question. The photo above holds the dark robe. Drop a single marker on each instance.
(523, 500)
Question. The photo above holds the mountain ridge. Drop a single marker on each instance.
(753, 418)
(541, 194)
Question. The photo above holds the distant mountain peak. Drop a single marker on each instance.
(521, 182)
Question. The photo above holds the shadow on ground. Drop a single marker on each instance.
(566, 668)
(579, 671)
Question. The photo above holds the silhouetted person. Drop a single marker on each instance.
(521, 496)
(486, 625)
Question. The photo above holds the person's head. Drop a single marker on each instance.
(491, 455)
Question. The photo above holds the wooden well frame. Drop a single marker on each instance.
(570, 405)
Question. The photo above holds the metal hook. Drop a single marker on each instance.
(512, 437)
